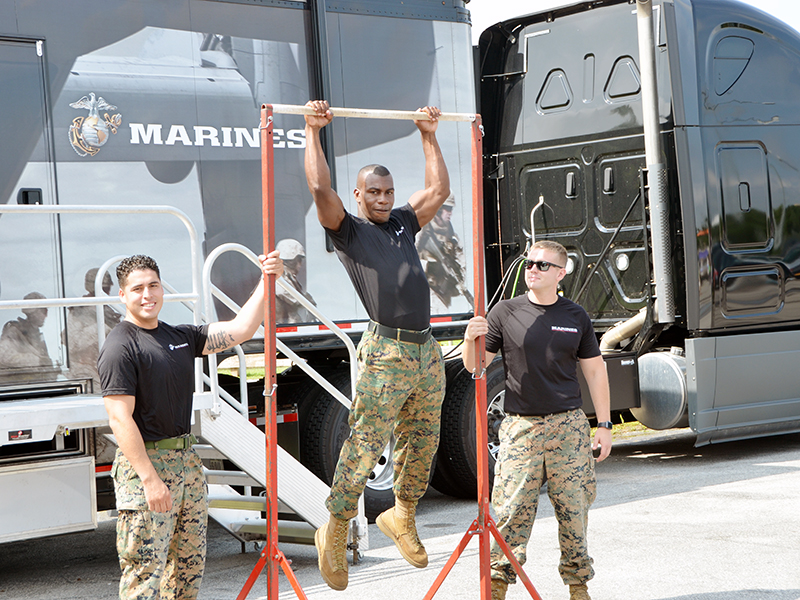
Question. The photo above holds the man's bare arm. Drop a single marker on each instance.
(129, 440)
(428, 201)
(477, 327)
(330, 208)
(594, 371)
(226, 334)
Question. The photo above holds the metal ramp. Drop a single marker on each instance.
(227, 428)
(40, 419)
(243, 443)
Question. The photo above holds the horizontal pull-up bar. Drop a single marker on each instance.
(369, 113)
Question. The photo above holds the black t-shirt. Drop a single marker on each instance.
(156, 366)
(541, 346)
(383, 264)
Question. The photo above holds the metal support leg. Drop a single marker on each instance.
(483, 527)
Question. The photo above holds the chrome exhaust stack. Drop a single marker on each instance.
(656, 169)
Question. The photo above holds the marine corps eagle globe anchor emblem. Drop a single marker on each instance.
(88, 134)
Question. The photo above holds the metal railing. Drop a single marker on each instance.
(211, 291)
(194, 297)
(201, 278)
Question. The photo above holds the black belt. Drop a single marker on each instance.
(402, 335)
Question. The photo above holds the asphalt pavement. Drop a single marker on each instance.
(671, 522)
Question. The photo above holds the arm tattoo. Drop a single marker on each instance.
(219, 341)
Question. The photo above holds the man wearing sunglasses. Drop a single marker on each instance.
(543, 338)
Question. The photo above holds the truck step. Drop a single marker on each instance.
(237, 502)
(230, 478)
(289, 532)
(208, 452)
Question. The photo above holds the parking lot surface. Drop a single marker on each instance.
(671, 522)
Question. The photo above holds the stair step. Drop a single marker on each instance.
(237, 502)
(208, 452)
(230, 478)
(243, 443)
(289, 532)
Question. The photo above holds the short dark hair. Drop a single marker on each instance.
(554, 247)
(137, 262)
(378, 170)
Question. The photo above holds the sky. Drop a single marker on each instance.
(488, 12)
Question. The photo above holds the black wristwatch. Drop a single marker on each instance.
(606, 425)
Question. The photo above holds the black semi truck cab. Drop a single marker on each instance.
(561, 95)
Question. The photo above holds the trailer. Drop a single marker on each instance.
(153, 109)
(131, 124)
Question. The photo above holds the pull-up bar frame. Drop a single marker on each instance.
(271, 556)
(371, 113)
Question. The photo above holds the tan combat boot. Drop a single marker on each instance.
(331, 543)
(499, 589)
(398, 524)
(578, 592)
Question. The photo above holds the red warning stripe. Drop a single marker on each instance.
(285, 418)
(341, 326)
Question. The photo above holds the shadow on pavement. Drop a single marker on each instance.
(677, 466)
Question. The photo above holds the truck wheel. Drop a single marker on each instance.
(442, 481)
(442, 478)
(457, 458)
(321, 439)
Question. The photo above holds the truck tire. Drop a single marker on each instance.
(442, 479)
(457, 464)
(321, 438)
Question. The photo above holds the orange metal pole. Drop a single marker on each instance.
(484, 526)
(481, 437)
(270, 381)
(452, 560)
(513, 560)
(271, 556)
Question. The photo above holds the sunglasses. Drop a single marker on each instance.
(542, 265)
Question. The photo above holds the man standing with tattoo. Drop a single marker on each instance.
(146, 370)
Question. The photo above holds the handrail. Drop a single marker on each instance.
(532, 234)
(98, 286)
(301, 362)
(125, 209)
(209, 303)
(212, 291)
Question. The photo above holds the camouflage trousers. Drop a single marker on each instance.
(530, 447)
(400, 387)
(161, 555)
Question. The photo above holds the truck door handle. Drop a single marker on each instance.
(29, 196)
(744, 196)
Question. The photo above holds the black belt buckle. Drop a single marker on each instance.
(415, 337)
(400, 335)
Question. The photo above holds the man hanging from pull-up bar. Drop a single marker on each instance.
(401, 376)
